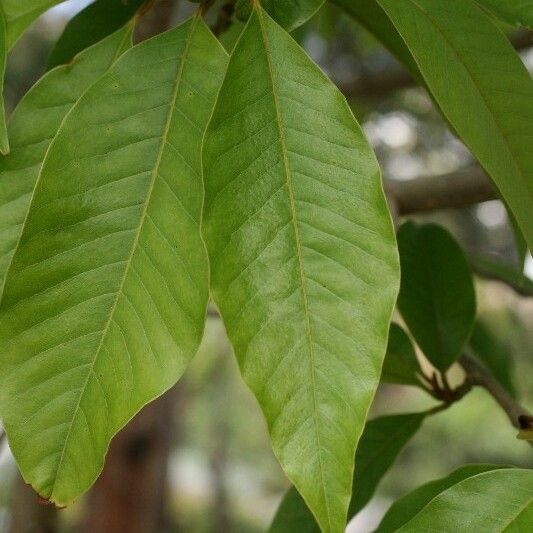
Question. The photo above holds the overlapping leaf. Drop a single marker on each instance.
(105, 300)
(90, 25)
(411, 504)
(437, 298)
(484, 92)
(34, 124)
(303, 259)
(381, 442)
(4, 141)
(494, 501)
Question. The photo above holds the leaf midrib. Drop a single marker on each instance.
(155, 172)
(287, 172)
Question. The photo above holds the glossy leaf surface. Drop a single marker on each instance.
(437, 298)
(33, 125)
(411, 504)
(484, 92)
(105, 300)
(303, 258)
(401, 365)
(381, 442)
(90, 25)
(494, 502)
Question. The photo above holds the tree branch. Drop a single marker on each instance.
(477, 374)
(458, 189)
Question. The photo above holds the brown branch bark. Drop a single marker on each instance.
(478, 375)
(461, 188)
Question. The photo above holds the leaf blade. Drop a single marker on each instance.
(494, 87)
(4, 140)
(105, 300)
(262, 243)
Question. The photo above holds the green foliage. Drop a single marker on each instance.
(407, 507)
(34, 124)
(90, 25)
(104, 302)
(303, 259)
(382, 440)
(516, 12)
(484, 92)
(400, 365)
(437, 298)
(4, 141)
(493, 501)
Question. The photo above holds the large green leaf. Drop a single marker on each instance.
(304, 265)
(90, 25)
(484, 92)
(287, 13)
(34, 124)
(105, 300)
(516, 12)
(400, 365)
(21, 13)
(493, 502)
(437, 298)
(382, 440)
(411, 504)
(4, 141)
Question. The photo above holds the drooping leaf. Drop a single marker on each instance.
(303, 260)
(437, 298)
(372, 17)
(105, 300)
(4, 140)
(400, 365)
(494, 354)
(493, 502)
(515, 12)
(411, 504)
(21, 13)
(484, 92)
(382, 440)
(33, 125)
(90, 25)
(290, 14)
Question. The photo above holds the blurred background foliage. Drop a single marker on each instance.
(222, 476)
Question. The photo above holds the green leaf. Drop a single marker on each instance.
(290, 14)
(304, 265)
(105, 300)
(33, 125)
(411, 504)
(4, 140)
(515, 12)
(400, 365)
(382, 440)
(492, 502)
(90, 25)
(494, 353)
(437, 298)
(372, 17)
(21, 13)
(484, 92)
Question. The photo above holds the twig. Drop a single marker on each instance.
(477, 374)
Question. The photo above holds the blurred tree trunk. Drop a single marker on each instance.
(130, 495)
(28, 514)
